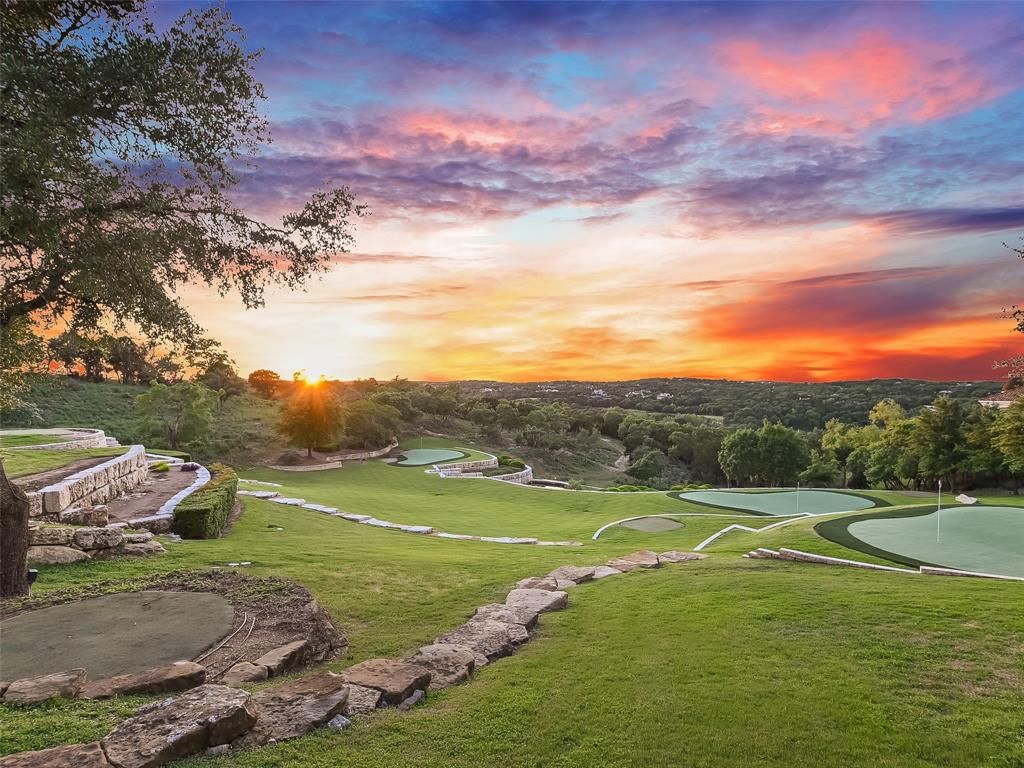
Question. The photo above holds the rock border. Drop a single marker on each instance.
(422, 530)
(218, 718)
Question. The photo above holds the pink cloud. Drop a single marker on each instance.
(873, 79)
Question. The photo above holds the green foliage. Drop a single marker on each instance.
(121, 142)
(939, 439)
(511, 461)
(772, 455)
(369, 423)
(740, 456)
(19, 347)
(1009, 436)
(821, 471)
(160, 466)
(311, 418)
(650, 465)
(265, 382)
(692, 487)
(204, 513)
(179, 414)
(629, 488)
(219, 375)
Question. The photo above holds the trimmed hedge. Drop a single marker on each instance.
(168, 452)
(203, 514)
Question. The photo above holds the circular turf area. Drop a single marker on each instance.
(417, 457)
(782, 502)
(652, 524)
(113, 634)
(983, 539)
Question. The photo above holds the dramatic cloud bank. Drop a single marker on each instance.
(795, 191)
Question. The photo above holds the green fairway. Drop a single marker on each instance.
(418, 457)
(987, 539)
(20, 463)
(777, 503)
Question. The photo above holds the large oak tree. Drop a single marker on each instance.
(121, 144)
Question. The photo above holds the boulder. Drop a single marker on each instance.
(448, 664)
(77, 755)
(97, 538)
(675, 556)
(35, 690)
(412, 701)
(339, 723)
(179, 676)
(55, 555)
(502, 612)
(96, 516)
(396, 680)
(487, 638)
(539, 600)
(284, 658)
(140, 549)
(244, 672)
(575, 573)
(361, 700)
(564, 584)
(138, 538)
(604, 571)
(642, 559)
(174, 728)
(295, 708)
(537, 582)
(44, 536)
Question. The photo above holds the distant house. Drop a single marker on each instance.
(1003, 399)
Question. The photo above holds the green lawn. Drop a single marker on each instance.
(723, 662)
(20, 463)
(16, 441)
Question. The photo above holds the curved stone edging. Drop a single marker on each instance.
(166, 510)
(796, 555)
(91, 438)
(605, 527)
(423, 530)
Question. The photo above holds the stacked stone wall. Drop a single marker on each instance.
(94, 485)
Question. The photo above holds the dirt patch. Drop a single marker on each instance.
(147, 498)
(51, 476)
(269, 612)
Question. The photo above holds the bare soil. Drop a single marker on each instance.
(147, 498)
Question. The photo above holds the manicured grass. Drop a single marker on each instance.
(421, 457)
(20, 463)
(781, 502)
(718, 663)
(479, 506)
(14, 441)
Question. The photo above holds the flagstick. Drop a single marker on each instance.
(798, 498)
(938, 517)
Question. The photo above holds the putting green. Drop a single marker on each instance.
(984, 539)
(113, 634)
(782, 502)
(652, 524)
(417, 457)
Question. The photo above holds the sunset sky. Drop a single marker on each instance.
(791, 191)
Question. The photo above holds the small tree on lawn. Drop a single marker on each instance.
(265, 382)
(311, 418)
(179, 414)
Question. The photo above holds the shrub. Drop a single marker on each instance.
(160, 466)
(204, 514)
(511, 461)
(629, 488)
(693, 487)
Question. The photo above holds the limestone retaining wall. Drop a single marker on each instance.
(523, 476)
(95, 485)
(82, 438)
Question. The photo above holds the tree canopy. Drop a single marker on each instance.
(122, 144)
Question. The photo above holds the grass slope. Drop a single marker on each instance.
(21, 463)
(724, 662)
